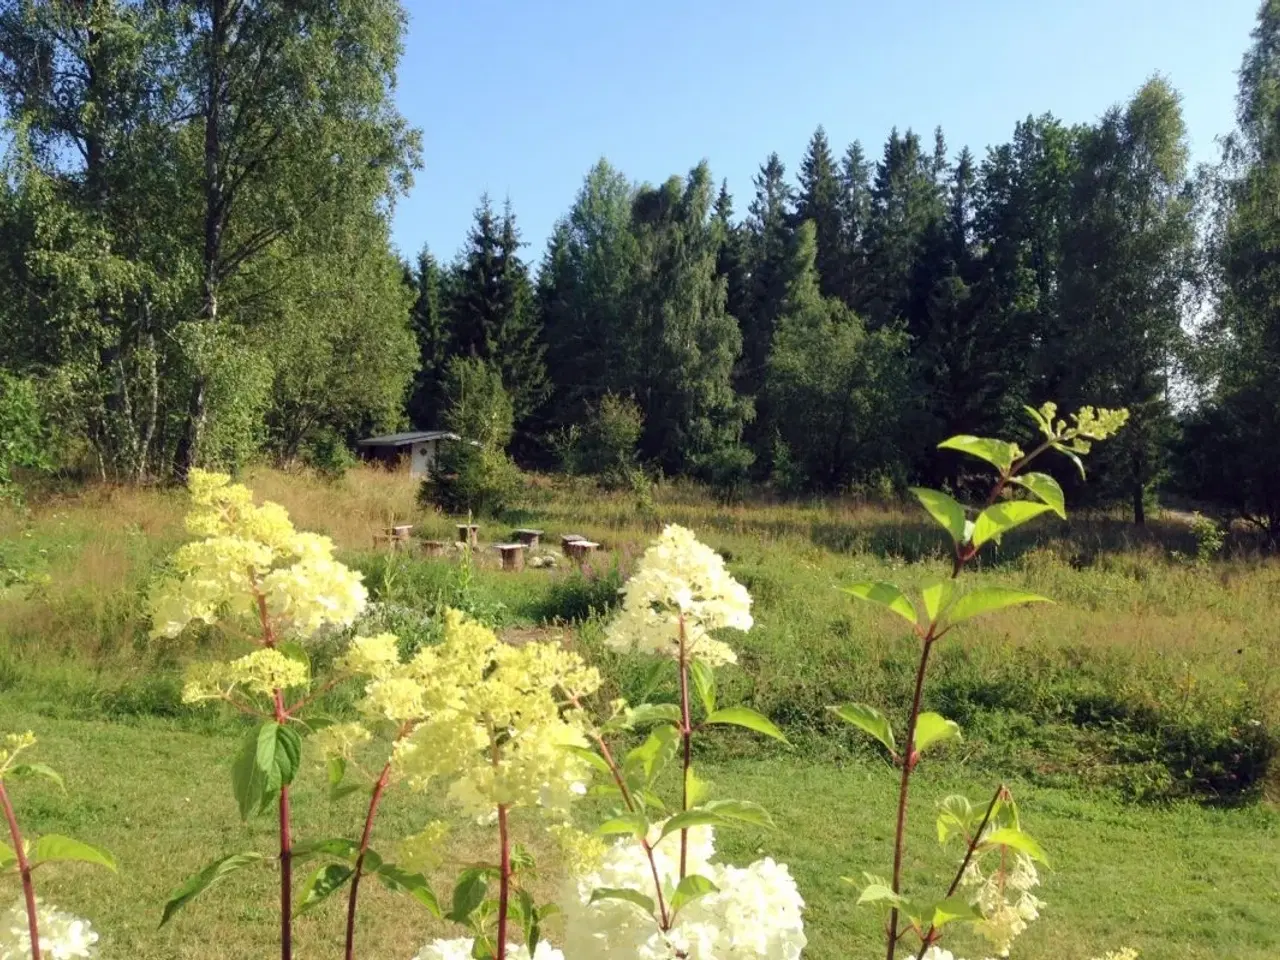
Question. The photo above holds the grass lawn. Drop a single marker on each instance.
(1179, 882)
(1136, 719)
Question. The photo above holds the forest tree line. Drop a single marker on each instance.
(197, 268)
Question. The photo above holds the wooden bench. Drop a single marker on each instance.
(568, 538)
(530, 538)
(433, 548)
(394, 538)
(469, 533)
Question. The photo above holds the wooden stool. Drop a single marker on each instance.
(469, 533)
(530, 538)
(433, 548)
(400, 533)
(567, 539)
(579, 550)
(392, 539)
(512, 555)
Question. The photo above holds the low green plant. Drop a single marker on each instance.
(605, 444)
(47, 931)
(996, 900)
(1210, 538)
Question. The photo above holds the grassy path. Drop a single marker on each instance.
(1178, 883)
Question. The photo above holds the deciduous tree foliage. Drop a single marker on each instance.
(196, 268)
(1230, 452)
(178, 174)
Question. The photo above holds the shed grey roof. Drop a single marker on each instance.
(404, 439)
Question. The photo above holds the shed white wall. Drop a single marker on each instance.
(422, 457)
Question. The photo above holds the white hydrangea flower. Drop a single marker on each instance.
(1006, 903)
(754, 913)
(679, 578)
(460, 949)
(62, 936)
(248, 550)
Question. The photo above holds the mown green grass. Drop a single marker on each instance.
(1178, 882)
(1137, 717)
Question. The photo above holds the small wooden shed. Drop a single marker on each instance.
(416, 449)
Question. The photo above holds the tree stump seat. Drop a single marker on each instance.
(579, 550)
(512, 556)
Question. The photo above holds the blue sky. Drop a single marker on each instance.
(521, 98)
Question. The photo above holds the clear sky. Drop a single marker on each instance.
(521, 97)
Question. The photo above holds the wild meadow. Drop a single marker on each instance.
(1135, 719)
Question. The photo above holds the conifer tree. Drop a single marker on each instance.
(768, 240)
(819, 201)
(492, 315)
(430, 328)
(855, 212)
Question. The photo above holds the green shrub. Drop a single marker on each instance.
(328, 454)
(471, 479)
(605, 444)
(23, 436)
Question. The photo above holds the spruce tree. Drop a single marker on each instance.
(518, 347)
(905, 203)
(476, 303)
(585, 287)
(731, 262)
(855, 212)
(492, 311)
(768, 241)
(819, 201)
(689, 343)
(430, 328)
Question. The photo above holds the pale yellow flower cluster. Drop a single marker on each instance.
(477, 712)
(1087, 424)
(251, 557)
(261, 672)
(14, 744)
(1005, 901)
(423, 851)
(680, 580)
(496, 727)
(340, 740)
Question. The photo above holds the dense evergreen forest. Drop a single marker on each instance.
(195, 267)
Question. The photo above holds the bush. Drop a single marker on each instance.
(22, 431)
(605, 444)
(328, 455)
(471, 479)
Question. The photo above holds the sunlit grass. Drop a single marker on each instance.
(1150, 677)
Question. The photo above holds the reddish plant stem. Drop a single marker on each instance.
(607, 754)
(686, 734)
(24, 870)
(504, 882)
(286, 854)
(930, 934)
(378, 788)
(908, 765)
